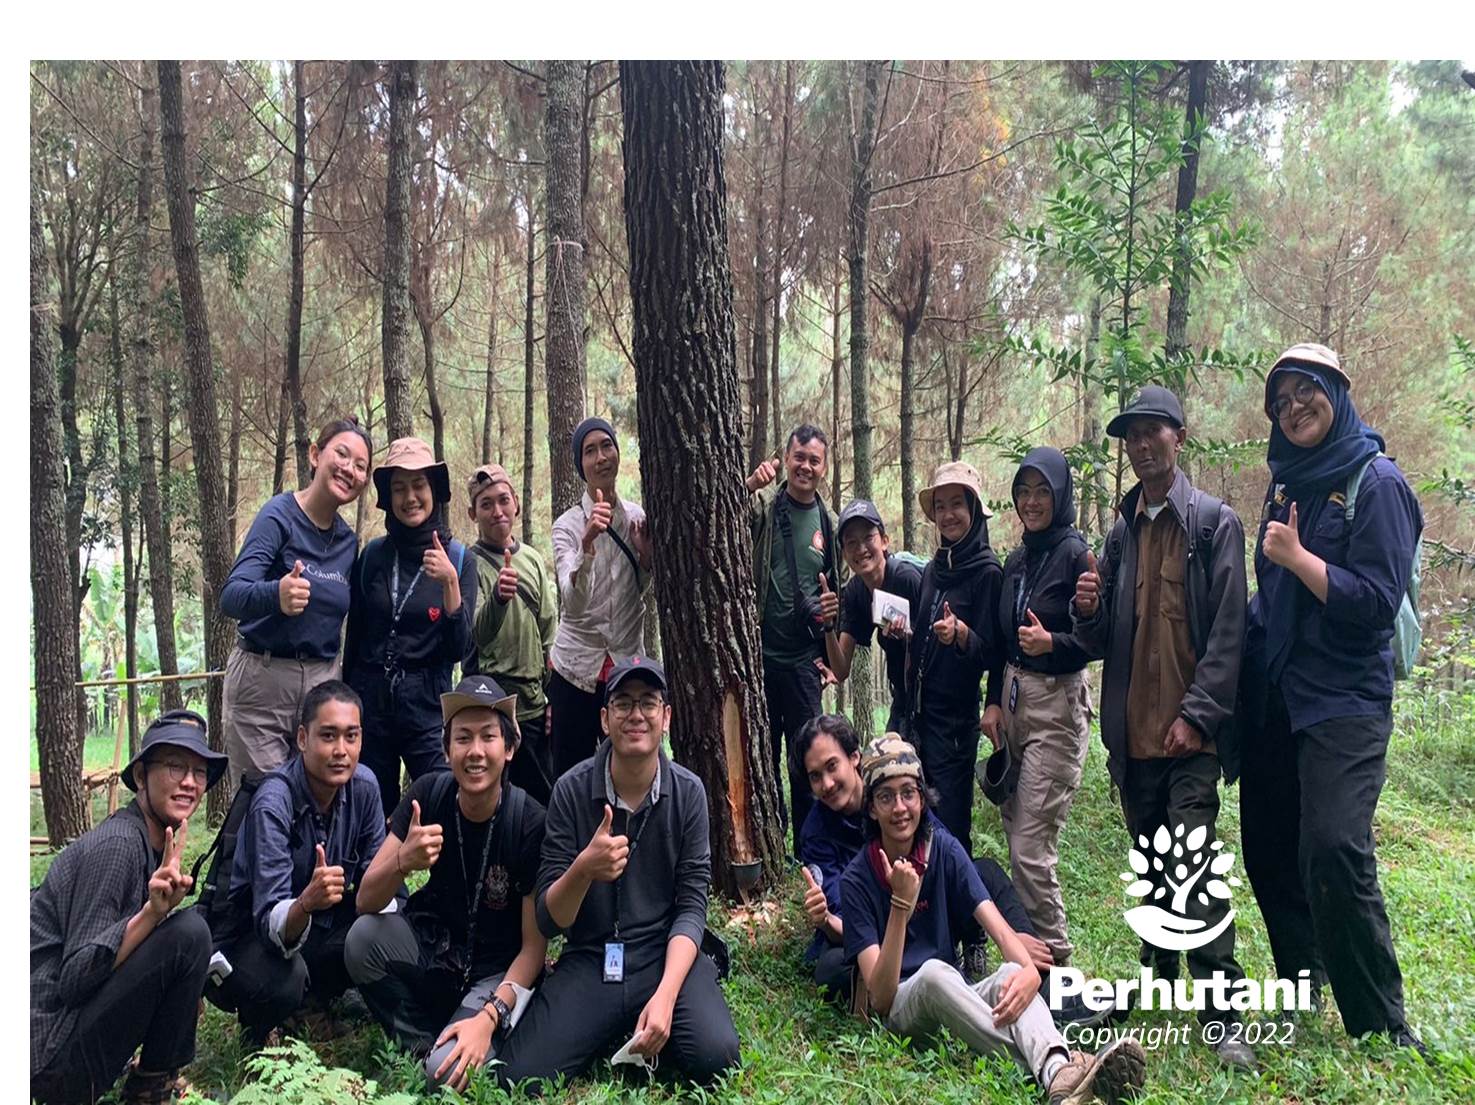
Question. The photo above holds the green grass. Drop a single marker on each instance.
(797, 1048)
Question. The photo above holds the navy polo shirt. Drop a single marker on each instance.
(829, 840)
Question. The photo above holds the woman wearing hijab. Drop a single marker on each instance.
(1044, 718)
(414, 601)
(1318, 688)
(288, 590)
(955, 641)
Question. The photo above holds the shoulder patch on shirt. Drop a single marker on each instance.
(817, 542)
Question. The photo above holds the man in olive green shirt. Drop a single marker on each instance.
(515, 621)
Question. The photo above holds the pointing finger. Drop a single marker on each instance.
(168, 846)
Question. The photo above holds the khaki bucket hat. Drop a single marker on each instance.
(959, 472)
(1312, 353)
(484, 477)
(410, 454)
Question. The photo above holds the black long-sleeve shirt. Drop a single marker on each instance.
(1045, 582)
(426, 636)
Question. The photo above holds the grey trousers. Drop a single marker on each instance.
(937, 996)
(263, 701)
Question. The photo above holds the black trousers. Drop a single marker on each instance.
(151, 1000)
(574, 727)
(402, 722)
(532, 765)
(264, 988)
(1173, 791)
(947, 745)
(1309, 855)
(576, 1018)
(792, 695)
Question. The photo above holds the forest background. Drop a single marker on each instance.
(928, 259)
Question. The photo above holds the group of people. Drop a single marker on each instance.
(535, 780)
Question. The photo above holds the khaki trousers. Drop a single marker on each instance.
(1047, 731)
(262, 704)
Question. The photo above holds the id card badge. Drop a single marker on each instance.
(1013, 693)
(614, 962)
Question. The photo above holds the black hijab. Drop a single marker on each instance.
(1050, 463)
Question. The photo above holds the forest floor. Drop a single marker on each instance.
(798, 1048)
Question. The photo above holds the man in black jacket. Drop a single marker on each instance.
(1166, 607)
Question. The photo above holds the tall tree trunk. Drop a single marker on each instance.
(57, 731)
(909, 316)
(127, 480)
(686, 376)
(432, 392)
(778, 257)
(204, 416)
(960, 406)
(395, 319)
(150, 499)
(837, 364)
(760, 445)
(233, 464)
(1180, 282)
(563, 295)
(489, 409)
(528, 342)
(297, 249)
(279, 450)
(1092, 432)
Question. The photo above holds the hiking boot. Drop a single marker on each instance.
(1075, 1011)
(1234, 1052)
(1403, 1036)
(144, 1088)
(1113, 1074)
(975, 961)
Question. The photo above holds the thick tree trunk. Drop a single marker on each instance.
(294, 303)
(528, 343)
(837, 365)
(489, 408)
(692, 450)
(396, 311)
(127, 481)
(150, 499)
(778, 258)
(1180, 282)
(760, 444)
(563, 297)
(204, 416)
(57, 734)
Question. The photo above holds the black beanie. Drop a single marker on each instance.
(581, 431)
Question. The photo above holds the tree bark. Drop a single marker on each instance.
(294, 302)
(1180, 282)
(692, 450)
(279, 450)
(150, 499)
(233, 464)
(489, 408)
(127, 481)
(837, 364)
(563, 298)
(57, 733)
(395, 319)
(432, 393)
(760, 446)
(909, 312)
(778, 257)
(204, 417)
(528, 343)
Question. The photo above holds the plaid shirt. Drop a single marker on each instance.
(78, 915)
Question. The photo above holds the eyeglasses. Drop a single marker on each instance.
(649, 705)
(905, 795)
(1304, 392)
(177, 771)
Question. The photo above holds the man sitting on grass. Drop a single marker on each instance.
(447, 974)
(314, 825)
(626, 863)
(113, 965)
(907, 896)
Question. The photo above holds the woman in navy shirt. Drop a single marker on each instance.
(414, 600)
(1317, 688)
(289, 592)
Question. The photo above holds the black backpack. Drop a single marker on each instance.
(214, 900)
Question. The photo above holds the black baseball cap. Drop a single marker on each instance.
(1152, 401)
(642, 666)
(178, 729)
(862, 509)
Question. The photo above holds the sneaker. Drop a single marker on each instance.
(1234, 1052)
(975, 961)
(1075, 1011)
(1403, 1036)
(1113, 1074)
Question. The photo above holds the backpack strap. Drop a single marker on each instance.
(1354, 484)
(1202, 507)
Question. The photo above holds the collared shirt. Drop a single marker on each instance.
(652, 796)
(603, 595)
(1163, 656)
(277, 850)
(78, 915)
(829, 840)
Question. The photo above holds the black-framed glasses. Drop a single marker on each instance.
(649, 705)
(888, 798)
(177, 770)
(1303, 393)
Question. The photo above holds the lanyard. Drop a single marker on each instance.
(1023, 593)
(473, 898)
(397, 606)
(634, 842)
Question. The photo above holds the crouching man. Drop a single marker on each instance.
(626, 863)
(113, 966)
(450, 974)
(314, 825)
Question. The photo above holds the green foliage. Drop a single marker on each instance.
(293, 1072)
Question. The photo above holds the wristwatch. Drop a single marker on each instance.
(504, 1013)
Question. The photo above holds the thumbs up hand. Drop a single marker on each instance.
(506, 579)
(1282, 541)
(604, 857)
(829, 602)
(437, 564)
(815, 907)
(948, 629)
(1034, 638)
(763, 475)
(422, 844)
(293, 591)
(599, 521)
(325, 889)
(1088, 588)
